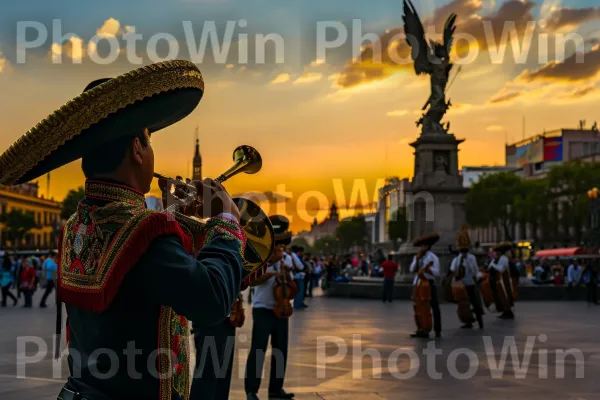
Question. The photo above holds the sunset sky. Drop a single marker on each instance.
(345, 117)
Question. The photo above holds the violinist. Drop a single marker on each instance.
(464, 268)
(500, 281)
(426, 267)
(267, 322)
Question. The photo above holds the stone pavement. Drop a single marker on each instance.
(328, 338)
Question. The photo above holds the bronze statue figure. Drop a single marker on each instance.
(434, 61)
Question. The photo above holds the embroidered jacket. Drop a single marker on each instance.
(131, 278)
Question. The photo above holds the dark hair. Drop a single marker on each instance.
(7, 264)
(390, 257)
(108, 158)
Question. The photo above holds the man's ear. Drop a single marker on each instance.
(136, 150)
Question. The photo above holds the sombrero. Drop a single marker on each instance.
(280, 227)
(503, 246)
(427, 240)
(151, 97)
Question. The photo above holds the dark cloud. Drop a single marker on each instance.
(577, 67)
(505, 97)
(380, 61)
(579, 93)
(571, 17)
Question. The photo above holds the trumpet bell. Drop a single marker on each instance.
(246, 159)
(260, 238)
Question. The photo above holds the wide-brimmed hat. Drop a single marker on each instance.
(463, 241)
(503, 246)
(280, 228)
(151, 97)
(427, 240)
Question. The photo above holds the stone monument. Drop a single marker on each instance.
(436, 196)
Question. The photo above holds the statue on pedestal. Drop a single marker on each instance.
(434, 61)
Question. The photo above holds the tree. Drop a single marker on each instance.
(491, 201)
(398, 226)
(532, 207)
(327, 244)
(18, 224)
(69, 204)
(352, 232)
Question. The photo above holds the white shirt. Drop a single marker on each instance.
(427, 258)
(470, 264)
(501, 265)
(263, 293)
(298, 265)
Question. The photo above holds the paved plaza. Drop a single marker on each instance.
(328, 338)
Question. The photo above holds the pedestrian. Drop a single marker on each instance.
(6, 280)
(49, 270)
(27, 281)
(390, 267)
(590, 276)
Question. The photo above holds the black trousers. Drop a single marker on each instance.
(264, 325)
(28, 294)
(214, 361)
(592, 293)
(49, 288)
(388, 289)
(476, 303)
(7, 293)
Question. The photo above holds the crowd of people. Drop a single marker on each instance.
(25, 275)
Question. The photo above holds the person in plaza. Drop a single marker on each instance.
(500, 281)
(426, 267)
(49, 268)
(6, 279)
(589, 276)
(131, 277)
(299, 273)
(390, 268)
(27, 281)
(465, 270)
(574, 273)
(265, 322)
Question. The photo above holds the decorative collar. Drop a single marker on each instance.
(110, 191)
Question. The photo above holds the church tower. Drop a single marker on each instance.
(197, 164)
(333, 215)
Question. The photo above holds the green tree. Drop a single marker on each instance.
(69, 204)
(352, 232)
(532, 206)
(327, 245)
(491, 201)
(398, 226)
(18, 224)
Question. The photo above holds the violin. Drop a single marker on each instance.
(238, 315)
(460, 295)
(284, 292)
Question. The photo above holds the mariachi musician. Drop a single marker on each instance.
(267, 321)
(500, 281)
(128, 274)
(426, 267)
(466, 274)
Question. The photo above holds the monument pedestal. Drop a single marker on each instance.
(435, 199)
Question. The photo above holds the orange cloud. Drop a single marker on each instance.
(577, 67)
(569, 18)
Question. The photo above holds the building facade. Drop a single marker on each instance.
(197, 163)
(391, 199)
(46, 213)
(326, 228)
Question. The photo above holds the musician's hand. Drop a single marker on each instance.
(215, 200)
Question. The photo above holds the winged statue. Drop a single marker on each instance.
(433, 59)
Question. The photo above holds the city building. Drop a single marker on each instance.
(391, 198)
(325, 228)
(197, 163)
(472, 175)
(46, 213)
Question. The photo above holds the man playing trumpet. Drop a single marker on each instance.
(132, 277)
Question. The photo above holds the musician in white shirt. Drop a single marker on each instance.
(499, 268)
(427, 262)
(464, 267)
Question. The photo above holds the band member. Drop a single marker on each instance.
(466, 273)
(500, 281)
(266, 323)
(131, 277)
(426, 266)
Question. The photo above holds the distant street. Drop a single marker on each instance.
(385, 371)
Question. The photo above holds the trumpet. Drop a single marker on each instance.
(260, 238)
